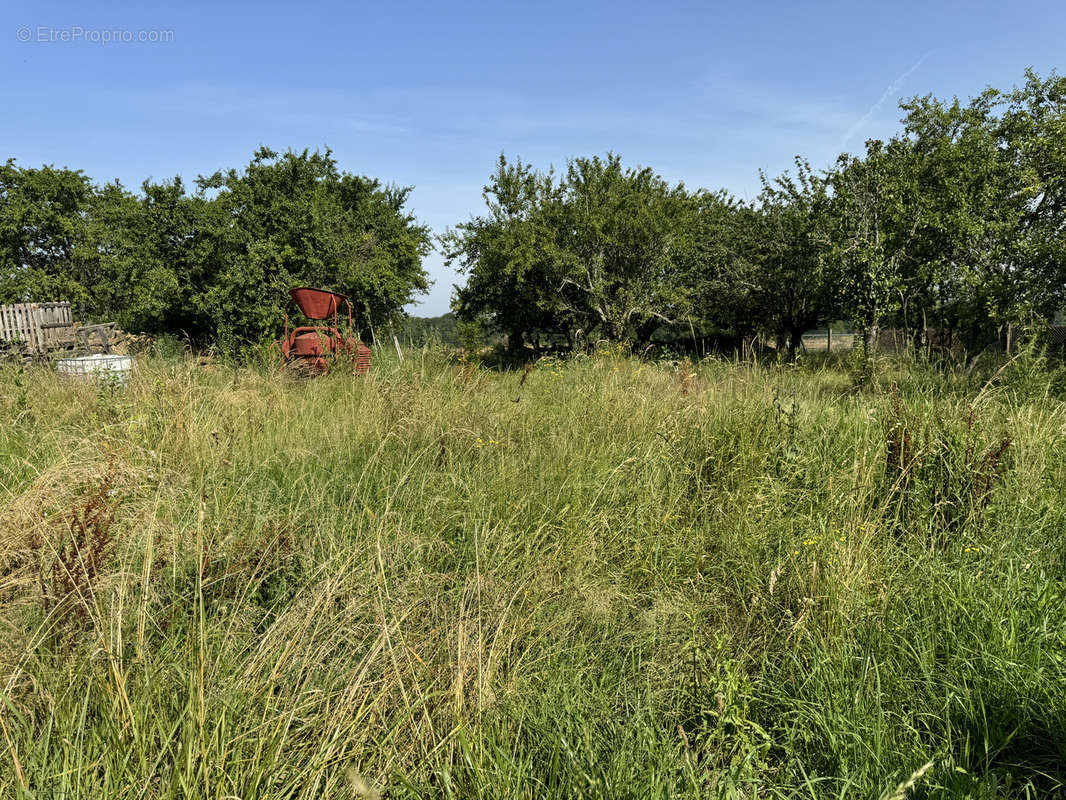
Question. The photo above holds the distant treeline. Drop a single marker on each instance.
(957, 223)
(419, 331)
(213, 265)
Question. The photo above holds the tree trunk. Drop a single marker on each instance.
(925, 333)
(795, 340)
(871, 336)
(515, 341)
(645, 331)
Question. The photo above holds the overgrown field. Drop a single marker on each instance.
(604, 579)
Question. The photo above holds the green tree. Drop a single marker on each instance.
(964, 268)
(43, 236)
(506, 255)
(624, 239)
(152, 251)
(721, 270)
(875, 214)
(792, 286)
(1033, 130)
(293, 219)
(598, 252)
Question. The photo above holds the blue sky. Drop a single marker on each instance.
(429, 94)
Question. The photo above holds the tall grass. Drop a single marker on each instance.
(602, 578)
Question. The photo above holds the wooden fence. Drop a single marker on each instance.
(40, 327)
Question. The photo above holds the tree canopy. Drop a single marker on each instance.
(957, 222)
(598, 251)
(214, 264)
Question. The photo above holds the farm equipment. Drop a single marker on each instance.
(312, 349)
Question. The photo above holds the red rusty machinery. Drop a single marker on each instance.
(314, 348)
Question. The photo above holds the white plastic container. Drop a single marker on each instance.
(107, 368)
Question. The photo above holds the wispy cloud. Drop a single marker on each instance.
(307, 108)
(888, 94)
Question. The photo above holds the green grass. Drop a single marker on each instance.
(614, 579)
